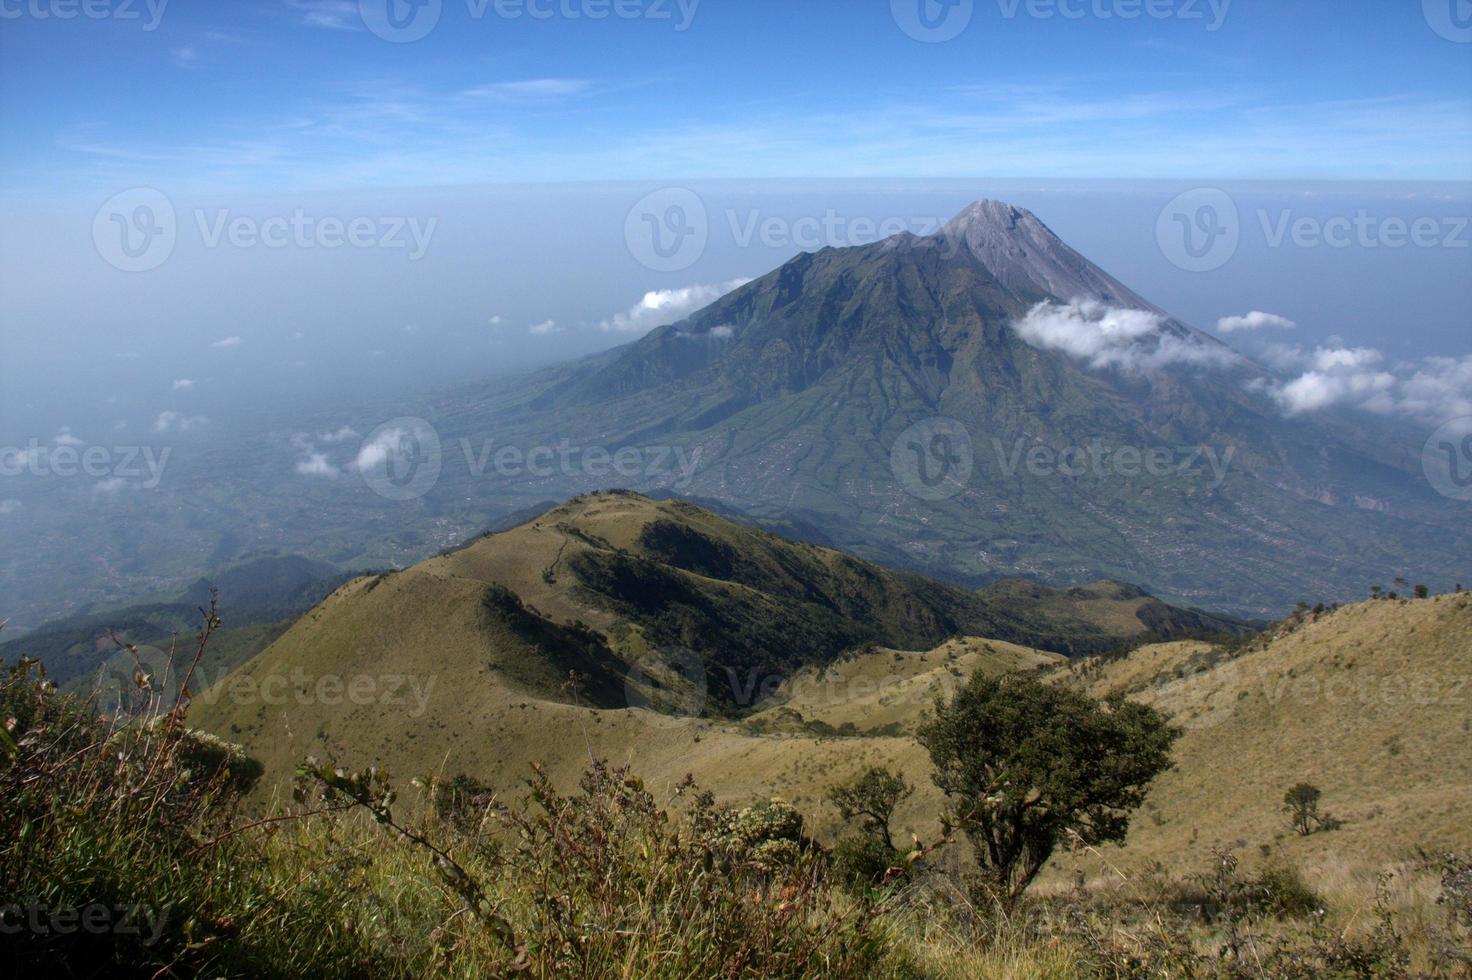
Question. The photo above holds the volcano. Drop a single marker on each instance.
(986, 402)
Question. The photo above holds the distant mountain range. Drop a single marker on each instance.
(977, 404)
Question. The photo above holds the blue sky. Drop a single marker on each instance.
(299, 95)
(524, 144)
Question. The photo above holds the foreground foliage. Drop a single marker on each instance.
(125, 851)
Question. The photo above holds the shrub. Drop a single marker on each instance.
(1025, 763)
(864, 861)
(872, 797)
(1301, 803)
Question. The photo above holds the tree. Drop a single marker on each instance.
(1422, 592)
(1025, 763)
(872, 797)
(1302, 805)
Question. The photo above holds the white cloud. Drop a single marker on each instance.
(10, 506)
(341, 435)
(178, 422)
(660, 307)
(316, 464)
(337, 15)
(1114, 337)
(184, 57)
(109, 486)
(496, 320)
(227, 342)
(1431, 390)
(183, 384)
(1256, 320)
(544, 328)
(387, 444)
(64, 437)
(723, 332)
(531, 88)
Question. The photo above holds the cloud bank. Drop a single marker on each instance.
(1256, 320)
(1431, 390)
(661, 307)
(1105, 336)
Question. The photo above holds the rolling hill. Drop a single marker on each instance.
(658, 608)
(462, 663)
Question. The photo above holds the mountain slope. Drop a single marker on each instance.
(651, 604)
(1372, 703)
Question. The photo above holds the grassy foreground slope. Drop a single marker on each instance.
(1371, 703)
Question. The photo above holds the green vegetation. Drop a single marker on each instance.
(1026, 763)
(135, 828)
(1301, 803)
